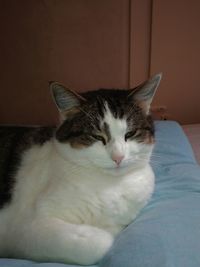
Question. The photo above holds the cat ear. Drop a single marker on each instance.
(144, 93)
(65, 99)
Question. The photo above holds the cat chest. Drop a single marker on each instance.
(97, 204)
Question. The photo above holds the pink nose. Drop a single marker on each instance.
(117, 158)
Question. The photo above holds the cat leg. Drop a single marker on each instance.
(52, 239)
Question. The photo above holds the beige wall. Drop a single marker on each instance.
(140, 40)
(175, 51)
(90, 44)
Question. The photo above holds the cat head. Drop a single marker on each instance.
(106, 128)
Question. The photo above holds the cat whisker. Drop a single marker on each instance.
(87, 114)
(129, 111)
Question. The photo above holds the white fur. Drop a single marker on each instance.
(69, 204)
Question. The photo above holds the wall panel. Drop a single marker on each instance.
(140, 40)
(175, 52)
(84, 44)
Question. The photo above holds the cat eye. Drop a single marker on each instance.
(129, 134)
(100, 138)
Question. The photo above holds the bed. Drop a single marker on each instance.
(167, 231)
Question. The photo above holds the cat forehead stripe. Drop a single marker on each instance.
(117, 127)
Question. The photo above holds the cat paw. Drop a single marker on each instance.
(95, 243)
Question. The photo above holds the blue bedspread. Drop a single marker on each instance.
(167, 231)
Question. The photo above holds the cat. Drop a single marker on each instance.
(73, 188)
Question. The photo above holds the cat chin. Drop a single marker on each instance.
(120, 170)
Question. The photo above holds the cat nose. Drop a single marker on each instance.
(117, 159)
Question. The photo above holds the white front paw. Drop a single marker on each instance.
(95, 243)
